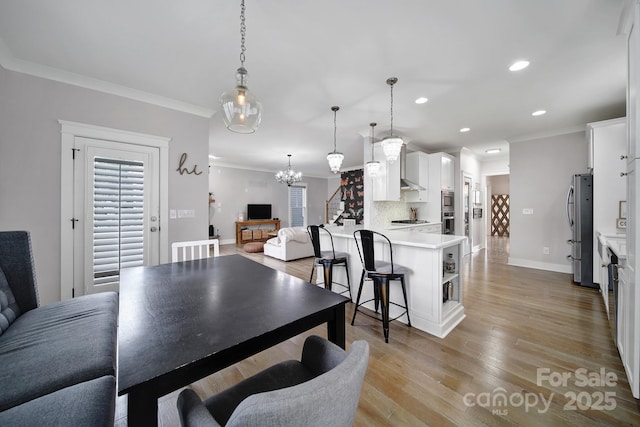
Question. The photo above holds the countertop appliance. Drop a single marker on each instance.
(410, 221)
(448, 212)
(580, 217)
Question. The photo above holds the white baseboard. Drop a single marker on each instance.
(558, 268)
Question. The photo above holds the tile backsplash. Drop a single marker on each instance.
(382, 213)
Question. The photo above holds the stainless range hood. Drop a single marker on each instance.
(406, 184)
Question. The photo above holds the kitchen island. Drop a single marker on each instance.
(432, 308)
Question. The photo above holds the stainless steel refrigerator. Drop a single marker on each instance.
(580, 217)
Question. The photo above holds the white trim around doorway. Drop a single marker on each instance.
(69, 131)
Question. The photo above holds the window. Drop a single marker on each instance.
(298, 205)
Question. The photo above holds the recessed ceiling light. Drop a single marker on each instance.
(465, 130)
(539, 113)
(519, 65)
(421, 100)
(493, 151)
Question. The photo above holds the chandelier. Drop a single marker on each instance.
(373, 166)
(392, 145)
(335, 158)
(241, 109)
(288, 176)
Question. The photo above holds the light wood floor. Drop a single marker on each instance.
(518, 321)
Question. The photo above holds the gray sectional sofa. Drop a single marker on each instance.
(57, 362)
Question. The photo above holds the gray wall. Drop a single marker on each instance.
(234, 188)
(541, 172)
(30, 108)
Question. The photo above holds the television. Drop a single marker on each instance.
(258, 211)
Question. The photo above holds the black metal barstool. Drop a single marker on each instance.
(381, 273)
(327, 259)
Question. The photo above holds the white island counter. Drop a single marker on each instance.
(423, 254)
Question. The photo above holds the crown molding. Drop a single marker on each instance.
(548, 134)
(9, 62)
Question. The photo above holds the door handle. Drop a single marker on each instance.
(154, 229)
(569, 194)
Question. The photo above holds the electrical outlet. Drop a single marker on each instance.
(545, 250)
(527, 211)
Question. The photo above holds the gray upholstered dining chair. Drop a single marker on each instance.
(322, 389)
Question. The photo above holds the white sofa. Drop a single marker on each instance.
(291, 243)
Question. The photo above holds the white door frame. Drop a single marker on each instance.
(69, 131)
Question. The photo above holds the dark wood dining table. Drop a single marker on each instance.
(183, 321)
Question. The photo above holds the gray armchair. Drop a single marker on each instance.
(321, 390)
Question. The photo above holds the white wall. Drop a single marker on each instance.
(498, 184)
(30, 108)
(541, 171)
(234, 188)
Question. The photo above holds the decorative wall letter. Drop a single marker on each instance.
(182, 169)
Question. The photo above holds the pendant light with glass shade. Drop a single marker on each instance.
(288, 176)
(335, 158)
(241, 109)
(392, 145)
(373, 166)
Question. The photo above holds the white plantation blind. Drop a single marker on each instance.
(118, 218)
(297, 201)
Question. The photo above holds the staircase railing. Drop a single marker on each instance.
(332, 205)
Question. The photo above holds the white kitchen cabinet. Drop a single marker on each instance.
(627, 329)
(441, 177)
(629, 299)
(441, 172)
(417, 169)
(607, 143)
(386, 185)
(448, 177)
(629, 326)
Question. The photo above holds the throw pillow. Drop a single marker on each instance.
(9, 309)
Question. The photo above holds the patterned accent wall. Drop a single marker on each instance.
(352, 188)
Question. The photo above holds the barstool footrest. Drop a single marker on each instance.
(404, 313)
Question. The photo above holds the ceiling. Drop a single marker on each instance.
(305, 56)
